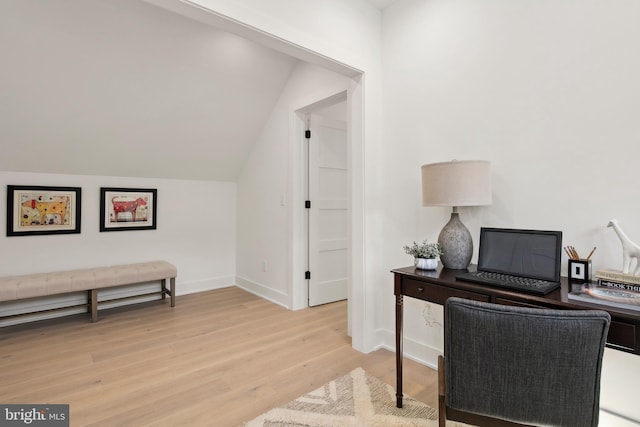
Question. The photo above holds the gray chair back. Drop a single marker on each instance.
(524, 365)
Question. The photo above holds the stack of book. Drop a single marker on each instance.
(613, 288)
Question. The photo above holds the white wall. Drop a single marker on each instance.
(195, 231)
(545, 90)
(267, 200)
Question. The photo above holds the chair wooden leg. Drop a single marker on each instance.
(442, 410)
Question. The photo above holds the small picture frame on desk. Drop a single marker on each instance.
(579, 270)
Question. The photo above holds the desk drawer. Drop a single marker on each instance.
(622, 334)
(436, 293)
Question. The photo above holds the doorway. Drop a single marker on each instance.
(361, 297)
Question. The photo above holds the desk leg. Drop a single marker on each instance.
(399, 310)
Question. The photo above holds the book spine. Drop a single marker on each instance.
(579, 296)
(619, 285)
(618, 277)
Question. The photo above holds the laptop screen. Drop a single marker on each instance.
(526, 253)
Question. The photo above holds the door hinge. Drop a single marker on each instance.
(307, 134)
(307, 275)
(307, 204)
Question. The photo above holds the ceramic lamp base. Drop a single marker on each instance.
(456, 243)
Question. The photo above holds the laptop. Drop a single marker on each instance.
(523, 260)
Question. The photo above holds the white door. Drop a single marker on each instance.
(328, 212)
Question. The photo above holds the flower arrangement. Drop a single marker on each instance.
(424, 250)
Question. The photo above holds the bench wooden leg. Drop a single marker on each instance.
(93, 302)
(89, 301)
(169, 291)
(173, 292)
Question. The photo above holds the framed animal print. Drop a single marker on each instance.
(37, 210)
(128, 209)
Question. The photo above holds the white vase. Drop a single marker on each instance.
(426, 263)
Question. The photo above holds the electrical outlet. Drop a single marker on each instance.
(264, 266)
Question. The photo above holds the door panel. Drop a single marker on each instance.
(328, 216)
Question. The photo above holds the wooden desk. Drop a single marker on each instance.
(436, 286)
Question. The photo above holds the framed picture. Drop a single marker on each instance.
(128, 209)
(33, 210)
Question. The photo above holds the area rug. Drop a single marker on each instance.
(357, 399)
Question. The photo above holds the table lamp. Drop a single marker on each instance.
(456, 183)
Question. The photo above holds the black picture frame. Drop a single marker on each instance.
(123, 209)
(39, 210)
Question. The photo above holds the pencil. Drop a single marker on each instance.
(575, 253)
(568, 253)
(591, 253)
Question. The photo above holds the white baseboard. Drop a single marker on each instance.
(194, 286)
(610, 419)
(411, 349)
(276, 297)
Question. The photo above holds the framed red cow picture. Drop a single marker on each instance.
(128, 209)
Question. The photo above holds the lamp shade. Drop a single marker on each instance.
(456, 183)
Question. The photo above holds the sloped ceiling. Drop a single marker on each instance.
(382, 4)
(124, 88)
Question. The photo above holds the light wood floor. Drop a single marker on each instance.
(218, 358)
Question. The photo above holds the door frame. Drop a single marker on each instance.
(361, 333)
(362, 297)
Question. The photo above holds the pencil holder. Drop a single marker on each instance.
(579, 270)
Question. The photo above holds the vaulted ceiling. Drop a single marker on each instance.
(126, 88)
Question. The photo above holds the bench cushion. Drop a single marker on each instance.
(59, 282)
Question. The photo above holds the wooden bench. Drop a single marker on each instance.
(90, 280)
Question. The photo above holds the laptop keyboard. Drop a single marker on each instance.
(517, 283)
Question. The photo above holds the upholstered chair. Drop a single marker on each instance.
(516, 366)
